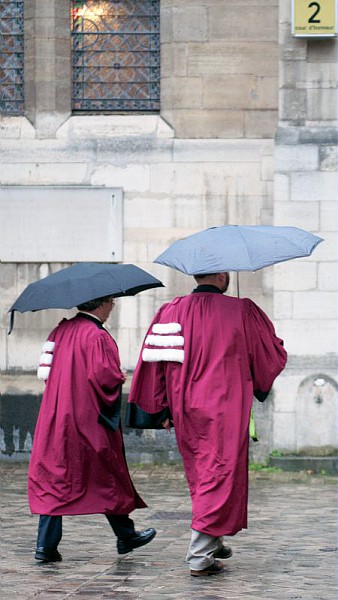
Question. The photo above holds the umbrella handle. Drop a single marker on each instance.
(11, 322)
(237, 282)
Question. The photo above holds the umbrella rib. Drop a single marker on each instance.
(245, 245)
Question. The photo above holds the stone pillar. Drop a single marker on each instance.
(47, 64)
(306, 197)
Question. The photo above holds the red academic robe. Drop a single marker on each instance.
(78, 466)
(205, 371)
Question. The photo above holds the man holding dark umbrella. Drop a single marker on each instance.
(78, 464)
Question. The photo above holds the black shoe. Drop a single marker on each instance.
(47, 555)
(135, 541)
(223, 552)
(214, 569)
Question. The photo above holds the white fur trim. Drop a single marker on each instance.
(46, 359)
(43, 373)
(165, 340)
(167, 354)
(48, 346)
(166, 328)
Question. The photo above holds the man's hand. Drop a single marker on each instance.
(167, 423)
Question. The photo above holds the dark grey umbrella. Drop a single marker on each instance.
(83, 282)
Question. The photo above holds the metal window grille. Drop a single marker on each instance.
(116, 55)
(11, 56)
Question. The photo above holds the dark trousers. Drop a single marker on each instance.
(50, 529)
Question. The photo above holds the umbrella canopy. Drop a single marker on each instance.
(83, 282)
(237, 248)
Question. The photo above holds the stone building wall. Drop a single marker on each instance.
(208, 159)
(305, 194)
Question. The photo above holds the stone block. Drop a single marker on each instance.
(131, 249)
(166, 23)
(14, 127)
(322, 51)
(233, 179)
(133, 149)
(292, 105)
(281, 189)
(327, 276)
(284, 431)
(229, 92)
(243, 23)
(295, 275)
(260, 123)
(147, 212)
(285, 391)
(180, 60)
(131, 178)
(287, 134)
(304, 157)
(313, 186)
(297, 214)
(44, 174)
(317, 336)
(322, 104)
(293, 73)
(162, 178)
(190, 23)
(326, 251)
(187, 92)
(328, 158)
(232, 58)
(265, 93)
(221, 150)
(315, 305)
(3, 350)
(283, 304)
(114, 126)
(220, 123)
(267, 169)
(328, 216)
(318, 134)
(321, 75)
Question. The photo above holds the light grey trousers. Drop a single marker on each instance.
(201, 550)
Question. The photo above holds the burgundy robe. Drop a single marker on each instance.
(78, 466)
(205, 371)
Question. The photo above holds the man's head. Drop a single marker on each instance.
(220, 280)
(100, 307)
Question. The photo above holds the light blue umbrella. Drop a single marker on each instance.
(237, 248)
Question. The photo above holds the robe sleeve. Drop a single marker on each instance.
(148, 387)
(267, 355)
(104, 372)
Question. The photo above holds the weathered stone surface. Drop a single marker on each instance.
(279, 556)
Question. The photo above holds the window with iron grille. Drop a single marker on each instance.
(116, 55)
(11, 56)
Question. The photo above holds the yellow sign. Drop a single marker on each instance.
(314, 19)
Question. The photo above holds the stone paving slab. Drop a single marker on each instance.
(289, 551)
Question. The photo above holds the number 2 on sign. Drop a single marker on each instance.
(316, 6)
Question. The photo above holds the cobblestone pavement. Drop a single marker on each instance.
(289, 551)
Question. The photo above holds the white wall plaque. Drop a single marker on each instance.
(60, 224)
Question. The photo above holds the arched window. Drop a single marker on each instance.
(11, 56)
(116, 55)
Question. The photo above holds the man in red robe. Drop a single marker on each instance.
(78, 465)
(204, 358)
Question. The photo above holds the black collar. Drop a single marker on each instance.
(207, 288)
(90, 318)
